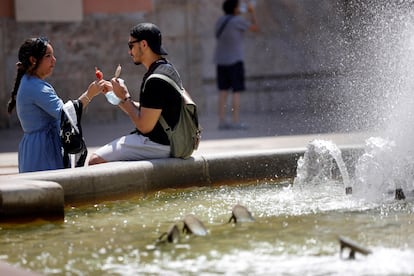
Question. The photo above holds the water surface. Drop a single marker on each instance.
(295, 232)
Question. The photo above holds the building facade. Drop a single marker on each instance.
(299, 40)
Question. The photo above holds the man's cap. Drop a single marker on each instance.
(152, 34)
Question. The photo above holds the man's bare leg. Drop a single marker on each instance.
(95, 159)
(222, 108)
(236, 107)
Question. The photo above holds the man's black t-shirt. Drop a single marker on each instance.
(159, 94)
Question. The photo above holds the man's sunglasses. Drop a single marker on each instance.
(131, 44)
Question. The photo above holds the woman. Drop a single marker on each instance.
(39, 108)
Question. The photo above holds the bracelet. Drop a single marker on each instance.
(86, 96)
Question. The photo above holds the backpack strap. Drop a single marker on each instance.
(186, 98)
(181, 90)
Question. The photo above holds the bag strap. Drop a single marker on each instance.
(165, 126)
(181, 90)
(218, 33)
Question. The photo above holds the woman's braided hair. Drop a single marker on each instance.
(32, 47)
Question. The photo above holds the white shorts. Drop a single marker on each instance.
(133, 147)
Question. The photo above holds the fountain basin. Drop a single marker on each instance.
(291, 223)
(118, 179)
(295, 232)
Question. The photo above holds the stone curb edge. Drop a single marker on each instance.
(49, 191)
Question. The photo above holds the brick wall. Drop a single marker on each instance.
(297, 37)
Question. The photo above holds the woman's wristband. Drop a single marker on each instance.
(86, 96)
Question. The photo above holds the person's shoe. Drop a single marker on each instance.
(239, 126)
(224, 126)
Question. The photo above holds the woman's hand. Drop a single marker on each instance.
(107, 86)
(94, 89)
(97, 87)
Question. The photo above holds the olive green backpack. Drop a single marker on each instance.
(186, 135)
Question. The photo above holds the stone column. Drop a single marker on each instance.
(178, 23)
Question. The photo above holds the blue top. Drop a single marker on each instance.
(229, 45)
(39, 109)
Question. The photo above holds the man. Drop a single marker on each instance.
(229, 56)
(157, 97)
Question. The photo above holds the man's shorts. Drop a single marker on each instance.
(231, 77)
(133, 147)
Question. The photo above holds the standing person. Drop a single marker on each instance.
(39, 108)
(229, 59)
(157, 97)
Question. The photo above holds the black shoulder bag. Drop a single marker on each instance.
(72, 138)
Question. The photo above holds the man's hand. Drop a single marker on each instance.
(119, 88)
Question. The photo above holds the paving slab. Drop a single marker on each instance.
(8, 160)
(269, 147)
